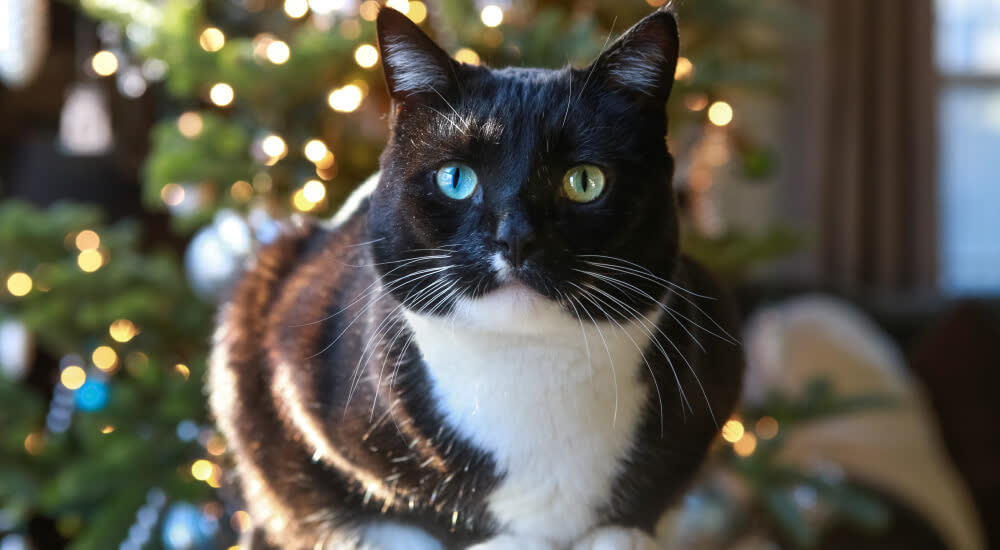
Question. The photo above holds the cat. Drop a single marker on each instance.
(496, 343)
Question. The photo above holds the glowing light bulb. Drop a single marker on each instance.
(273, 146)
(366, 55)
(90, 260)
(122, 330)
(202, 469)
(418, 11)
(402, 6)
(296, 8)
(73, 377)
(733, 430)
(491, 15)
(466, 55)
(720, 113)
(315, 150)
(19, 284)
(684, 68)
(314, 191)
(278, 52)
(172, 194)
(212, 39)
(104, 358)
(104, 63)
(190, 124)
(346, 99)
(87, 239)
(221, 94)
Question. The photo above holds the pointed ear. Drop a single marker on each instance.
(412, 62)
(643, 60)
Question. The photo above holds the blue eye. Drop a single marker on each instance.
(457, 180)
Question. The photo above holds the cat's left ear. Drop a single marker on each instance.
(412, 62)
(642, 61)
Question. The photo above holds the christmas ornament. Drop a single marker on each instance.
(186, 528)
(85, 123)
(15, 349)
(24, 40)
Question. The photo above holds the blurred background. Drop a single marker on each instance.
(837, 168)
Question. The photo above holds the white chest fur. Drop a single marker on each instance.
(555, 401)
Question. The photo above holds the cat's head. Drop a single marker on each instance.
(548, 183)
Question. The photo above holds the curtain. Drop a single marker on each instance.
(861, 171)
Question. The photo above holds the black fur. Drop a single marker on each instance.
(299, 344)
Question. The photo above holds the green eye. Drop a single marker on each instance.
(583, 183)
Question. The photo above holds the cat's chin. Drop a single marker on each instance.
(512, 307)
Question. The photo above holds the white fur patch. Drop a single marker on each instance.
(535, 388)
(354, 201)
(386, 535)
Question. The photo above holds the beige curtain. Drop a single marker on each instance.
(862, 165)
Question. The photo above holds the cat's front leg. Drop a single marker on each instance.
(616, 538)
(514, 542)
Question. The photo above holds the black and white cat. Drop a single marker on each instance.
(496, 343)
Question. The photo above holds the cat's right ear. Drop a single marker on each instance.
(412, 62)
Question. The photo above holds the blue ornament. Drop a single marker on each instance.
(93, 395)
(185, 527)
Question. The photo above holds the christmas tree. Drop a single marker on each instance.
(269, 108)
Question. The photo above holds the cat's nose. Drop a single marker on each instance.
(516, 239)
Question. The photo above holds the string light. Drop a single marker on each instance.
(202, 469)
(366, 55)
(326, 162)
(315, 150)
(90, 260)
(19, 284)
(108, 428)
(221, 94)
(746, 445)
(368, 10)
(720, 113)
(212, 39)
(418, 11)
(87, 239)
(183, 370)
(466, 55)
(73, 377)
(241, 191)
(325, 7)
(123, 330)
(190, 124)
(172, 194)
(301, 203)
(104, 358)
(274, 147)
(278, 52)
(696, 102)
(346, 99)
(491, 15)
(314, 191)
(766, 427)
(684, 68)
(296, 8)
(733, 430)
(104, 63)
(34, 443)
(402, 6)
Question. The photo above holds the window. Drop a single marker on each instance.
(968, 57)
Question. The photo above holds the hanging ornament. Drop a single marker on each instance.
(15, 349)
(216, 254)
(24, 40)
(85, 123)
(185, 527)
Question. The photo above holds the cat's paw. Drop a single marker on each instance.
(616, 538)
(514, 542)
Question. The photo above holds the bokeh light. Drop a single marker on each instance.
(296, 8)
(278, 52)
(466, 55)
(202, 469)
(190, 124)
(366, 55)
(273, 146)
(315, 150)
(222, 94)
(172, 194)
(104, 358)
(346, 99)
(418, 11)
(720, 113)
(87, 239)
(73, 377)
(746, 445)
(212, 39)
(733, 430)
(90, 260)
(314, 191)
(104, 63)
(402, 6)
(766, 427)
(684, 68)
(19, 283)
(123, 330)
(491, 15)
